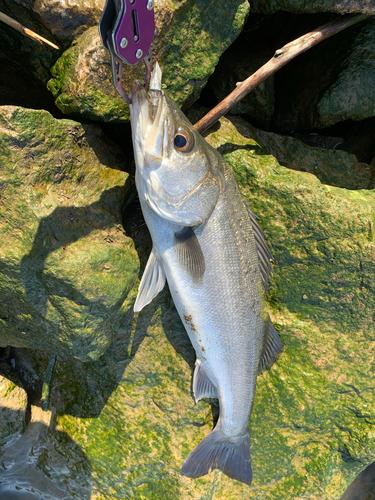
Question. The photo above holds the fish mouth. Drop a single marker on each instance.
(147, 113)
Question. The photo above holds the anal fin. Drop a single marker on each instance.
(152, 282)
(202, 385)
(272, 348)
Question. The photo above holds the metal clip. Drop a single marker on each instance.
(127, 29)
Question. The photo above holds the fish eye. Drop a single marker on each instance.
(183, 141)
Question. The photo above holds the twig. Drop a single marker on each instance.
(25, 31)
(280, 58)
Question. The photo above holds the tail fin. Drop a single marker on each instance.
(218, 451)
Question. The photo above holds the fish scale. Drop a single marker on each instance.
(211, 251)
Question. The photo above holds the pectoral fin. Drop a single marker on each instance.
(202, 385)
(272, 349)
(152, 282)
(189, 252)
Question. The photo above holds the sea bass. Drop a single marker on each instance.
(209, 247)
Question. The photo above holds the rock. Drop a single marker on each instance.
(239, 62)
(67, 19)
(13, 403)
(82, 82)
(31, 58)
(35, 467)
(64, 19)
(329, 84)
(132, 413)
(301, 83)
(59, 21)
(67, 265)
(330, 165)
(309, 7)
(188, 42)
(352, 96)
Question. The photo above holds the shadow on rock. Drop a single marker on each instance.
(64, 226)
(78, 316)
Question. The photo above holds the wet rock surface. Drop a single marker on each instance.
(43, 464)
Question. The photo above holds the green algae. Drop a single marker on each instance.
(67, 264)
(95, 98)
(61, 73)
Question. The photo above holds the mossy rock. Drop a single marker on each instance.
(330, 84)
(312, 6)
(334, 167)
(189, 40)
(66, 263)
(312, 422)
(13, 405)
(352, 96)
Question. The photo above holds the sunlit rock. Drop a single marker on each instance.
(13, 403)
(66, 264)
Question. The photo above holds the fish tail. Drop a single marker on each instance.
(218, 451)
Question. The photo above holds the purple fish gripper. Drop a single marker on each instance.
(131, 39)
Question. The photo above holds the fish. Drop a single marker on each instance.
(209, 247)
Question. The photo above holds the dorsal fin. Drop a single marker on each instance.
(271, 350)
(264, 253)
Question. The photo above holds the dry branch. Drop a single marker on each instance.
(25, 31)
(281, 57)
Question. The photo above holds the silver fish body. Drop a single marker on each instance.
(209, 248)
